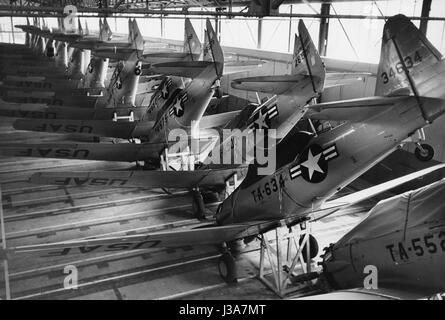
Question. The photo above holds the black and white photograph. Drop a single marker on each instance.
(222, 154)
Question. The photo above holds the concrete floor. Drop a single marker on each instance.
(40, 214)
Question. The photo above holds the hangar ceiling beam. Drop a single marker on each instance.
(426, 8)
(324, 29)
(30, 11)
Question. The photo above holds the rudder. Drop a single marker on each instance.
(405, 54)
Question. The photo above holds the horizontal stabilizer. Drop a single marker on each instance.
(145, 179)
(269, 84)
(102, 128)
(357, 110)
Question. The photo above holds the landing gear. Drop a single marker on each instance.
(227, 267)
(198, 206)
(424, 152)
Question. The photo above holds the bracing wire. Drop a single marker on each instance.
(346, 34)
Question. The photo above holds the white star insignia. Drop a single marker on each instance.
(312, 163)
(164, 90)
(178, 106)
(261, 121)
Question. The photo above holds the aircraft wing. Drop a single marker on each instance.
(363, 294)
(200, 236)
(231, 67)
(269, 84)
(332, 206)
(335, 79)
(103, 128)
(146, 179)
(217, 120)
(126, 152)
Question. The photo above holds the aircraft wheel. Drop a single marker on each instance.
(426, 154)
(137, 71)
(227, 268)
(50, 52)
(313, 243)
(218, 93)
(198, 206)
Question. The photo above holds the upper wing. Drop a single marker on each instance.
(217, 120)
(363, 294)
(126, 152)
(187, 69)
(335, 79)
(103, 128)
(200, 236)
(231, 67)
(146, 179)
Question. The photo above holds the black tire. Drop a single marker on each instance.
(227, 268)
(218, 93)
(426, 155)
(137, 71)
(50, 52)
(313, 243)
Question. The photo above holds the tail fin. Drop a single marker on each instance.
(79, 26)
(306, 59)
(101, 30)
(87, 30)
(75, 66)
(27, 35)
(192, 45)
(206, 52)
(124, 82)
(108, 32)
(405, 53)
(137, 41)
(215, 49)
(130, 30)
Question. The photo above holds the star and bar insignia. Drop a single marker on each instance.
(178, 107)
(261, 120)
(165, 88)
(118, 83)
(313, 165)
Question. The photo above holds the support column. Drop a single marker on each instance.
(260, 32)
(12, 30)
(218, 24)
(426, 8)
(324, 29)
(162, 24)
(289, 40)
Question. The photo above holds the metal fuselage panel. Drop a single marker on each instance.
(190, 104)
(404, 260)
(358, 147)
